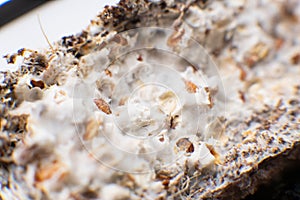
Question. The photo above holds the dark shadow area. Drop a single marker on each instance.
(285, 186)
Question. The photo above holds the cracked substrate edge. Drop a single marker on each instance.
(265, 171)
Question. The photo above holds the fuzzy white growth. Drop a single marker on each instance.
(160, 113)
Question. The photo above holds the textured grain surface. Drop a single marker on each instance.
(255, 45)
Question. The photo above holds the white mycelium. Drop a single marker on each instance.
(125, 110)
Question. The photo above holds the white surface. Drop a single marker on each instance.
(3, 1)
(59, 18)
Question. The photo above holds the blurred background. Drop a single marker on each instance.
(19, 24)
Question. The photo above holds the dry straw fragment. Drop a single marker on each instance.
(103, 106)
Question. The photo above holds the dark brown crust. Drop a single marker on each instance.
(266, 171)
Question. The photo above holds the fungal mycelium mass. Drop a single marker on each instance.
(155, 100)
